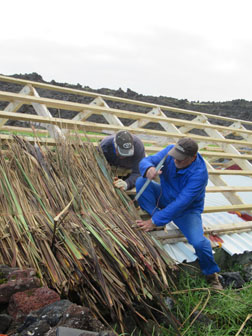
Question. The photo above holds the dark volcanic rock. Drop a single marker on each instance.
(17, 281)
(233, 280)
(5, 322)
(22, 303)
(61, 313)
(50, 315)
(5, 271)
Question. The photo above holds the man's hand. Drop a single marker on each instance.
(151, 173)
(120, 184)
(145, 225)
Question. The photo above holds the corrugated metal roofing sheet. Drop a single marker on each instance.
(235, 243)
(180, 252)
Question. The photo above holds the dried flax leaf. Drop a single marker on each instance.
(97, 252)
(115, 239)
(35, 193)
(99, 239)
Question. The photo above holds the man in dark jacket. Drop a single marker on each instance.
(124, 150)
(179, 198)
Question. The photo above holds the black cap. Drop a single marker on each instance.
(184, 148)
(124, 143)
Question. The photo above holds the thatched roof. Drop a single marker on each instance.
(61, 215)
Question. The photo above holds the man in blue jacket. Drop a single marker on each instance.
(125, 150)
(179, 198)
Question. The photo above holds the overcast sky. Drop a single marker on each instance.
(185, 49)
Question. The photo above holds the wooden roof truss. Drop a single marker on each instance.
(221, 146)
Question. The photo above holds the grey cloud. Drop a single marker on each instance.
(160, 62)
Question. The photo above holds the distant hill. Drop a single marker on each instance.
(238, 108)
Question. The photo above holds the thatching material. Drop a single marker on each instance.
(61, 215)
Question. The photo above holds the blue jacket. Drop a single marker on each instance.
(184, 189)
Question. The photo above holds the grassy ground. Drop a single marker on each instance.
(205, 312)
(221, 313)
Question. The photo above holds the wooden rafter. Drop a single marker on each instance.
(214, 145)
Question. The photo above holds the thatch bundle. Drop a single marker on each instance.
(61, 215)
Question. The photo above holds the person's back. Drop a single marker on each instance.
(124, 150)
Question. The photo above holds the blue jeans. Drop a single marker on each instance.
(190, 224)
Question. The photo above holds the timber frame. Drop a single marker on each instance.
(221, 146)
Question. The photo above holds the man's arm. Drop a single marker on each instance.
(152, 160)
(107, 147)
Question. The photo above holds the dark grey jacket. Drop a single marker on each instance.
(132, 162)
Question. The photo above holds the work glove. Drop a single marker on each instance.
(120, 184)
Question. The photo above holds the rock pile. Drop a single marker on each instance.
(26, 308)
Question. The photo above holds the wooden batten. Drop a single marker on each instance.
(96, 127)
(213, 209)
(51, 87)
(169, 234)
(212, 189)
(59, 104)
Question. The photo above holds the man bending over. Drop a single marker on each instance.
(179, 198)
